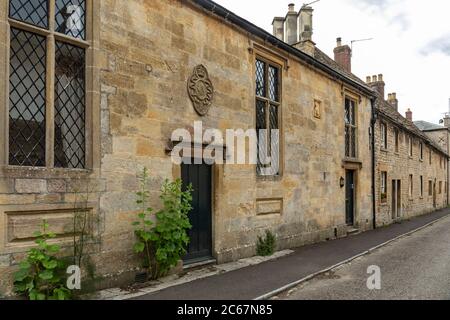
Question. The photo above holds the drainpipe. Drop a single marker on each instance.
(373, 122)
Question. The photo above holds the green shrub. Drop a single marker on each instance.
(266, 246)
(162, 237)
(42, 275)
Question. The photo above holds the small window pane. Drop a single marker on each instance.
(27, 99)
(69, 106)
(34, 12)
(71, 18)
(260, 78)
(262, 139)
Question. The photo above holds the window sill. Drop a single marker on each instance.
(384, 150)
(43, 172)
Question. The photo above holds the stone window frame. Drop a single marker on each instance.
(410, 146)
(270, 59)
(92, 91)
(396, 140)
(411, 187)
(355, 126)
(421, 187)
(383, 187)
(421, 151)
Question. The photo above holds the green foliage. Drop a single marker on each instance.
(42, 275)
(162, 237)
(266, 246)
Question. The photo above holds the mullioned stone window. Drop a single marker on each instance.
(268, 104)
(383, 187)
(47, 98)
(384, 136)
(350, 128)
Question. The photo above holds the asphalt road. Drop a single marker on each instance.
(254, 281)
(414, 267)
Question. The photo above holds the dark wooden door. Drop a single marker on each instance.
(350, 198)
(200, 246)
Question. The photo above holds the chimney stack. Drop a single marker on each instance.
(447, 117)
(305, 22)
(409, 115)
(377, 83)
(278, 27)
(343, 55)
(296, 28)
(392, 99)
(290, 25)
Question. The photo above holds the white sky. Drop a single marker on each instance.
(411, 45)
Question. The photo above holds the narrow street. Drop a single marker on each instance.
(414, 267)
(256, 281)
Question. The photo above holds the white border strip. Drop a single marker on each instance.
(311, 276)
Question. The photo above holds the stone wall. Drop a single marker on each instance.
(399, 166)
(146, 52)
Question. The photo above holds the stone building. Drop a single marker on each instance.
(96, 89)
(411, 175)
(440, 134)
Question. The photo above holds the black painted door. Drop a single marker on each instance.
(200, 246)
(350, 198)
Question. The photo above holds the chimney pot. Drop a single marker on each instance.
(292, 7)
(374, 79)
(368, 79)
(380, 77)
(339, 42)
(409, 115)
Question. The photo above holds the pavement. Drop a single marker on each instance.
(416, 267)
(257, 281)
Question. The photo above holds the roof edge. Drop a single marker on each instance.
(267, 37)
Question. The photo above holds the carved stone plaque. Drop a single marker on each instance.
(201, 90)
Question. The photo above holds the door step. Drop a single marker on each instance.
(352, 231)
(202, 263)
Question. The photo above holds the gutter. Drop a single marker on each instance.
(374, 194)
(269, 38)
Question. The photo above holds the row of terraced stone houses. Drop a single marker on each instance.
(92, 91)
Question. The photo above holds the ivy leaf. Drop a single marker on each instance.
(139, 247)
(46, 275)
(21, 275)
(53, 248)
(25, 265)
(52, 264)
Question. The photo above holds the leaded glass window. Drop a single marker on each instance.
(27, 99)
(34, 12)
(69, 106)
(37, 137)
(268, 116)
(70, 17)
